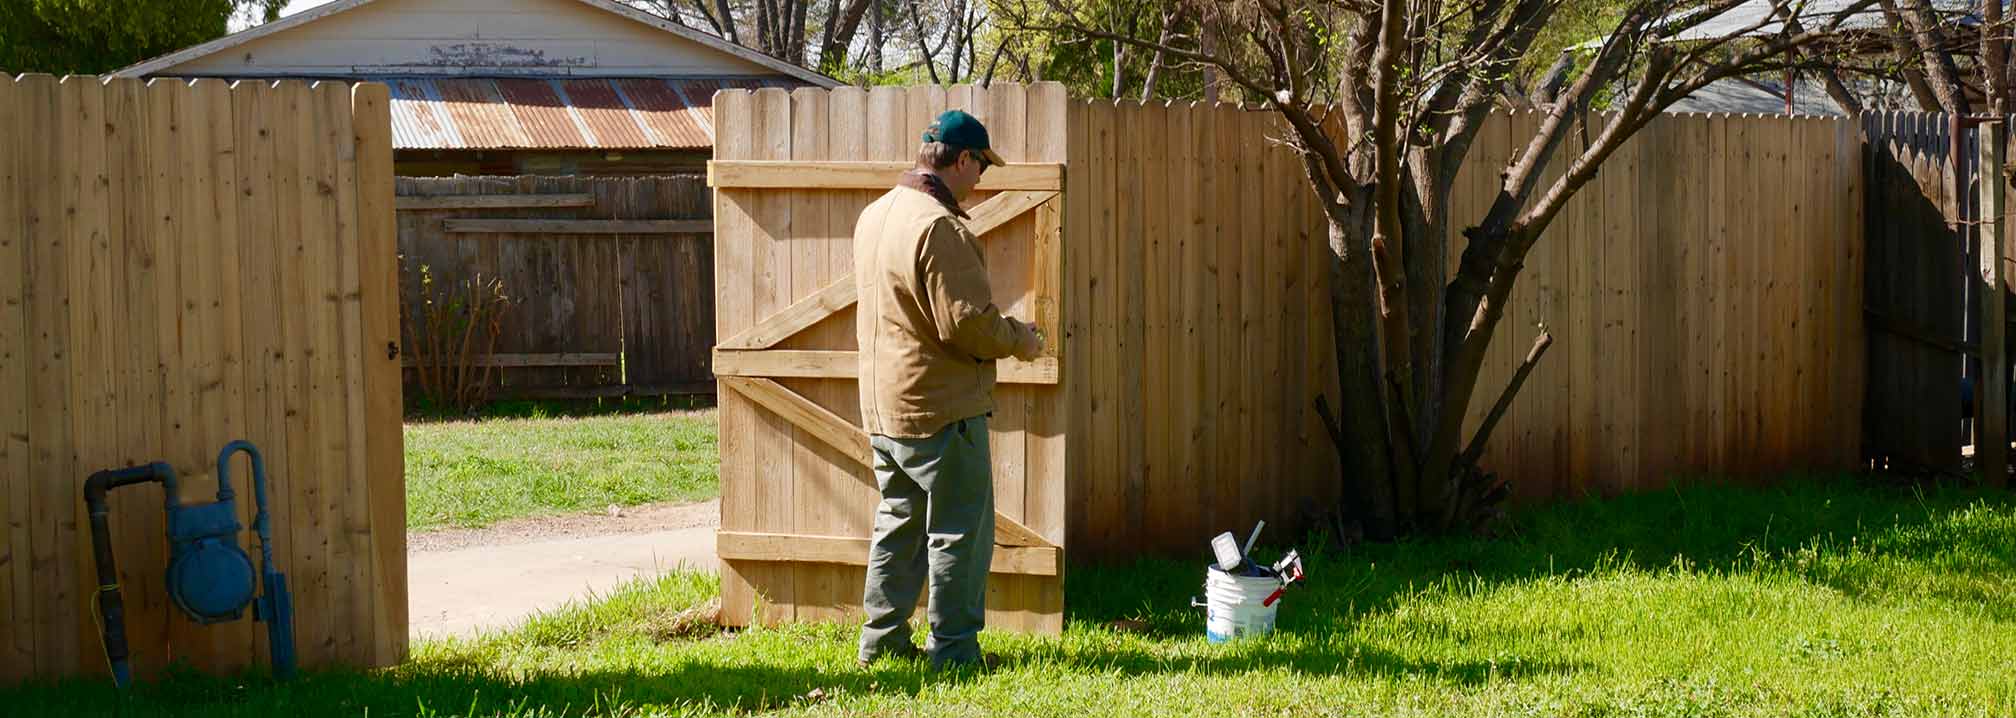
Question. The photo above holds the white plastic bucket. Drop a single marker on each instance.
(1232, 605)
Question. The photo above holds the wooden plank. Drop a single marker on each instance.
(811, 473)
(852, 442)
(775, 482)
(853, 551)
(1851, 252)
(1131, 274)
(198, 366)
(490, 201)
(1091, 396)
(262, 420)
(242, 643)
(1992, 447)
(1579, 329)
(822, 364)
(17, 594)
(1194, 288)
(360, 642)
(299, 228)
(1810, 162)
(1227, 465)
(537, 360)
(790, 174)
(150, 219)
(1050, 132)
(854, 496)
(734, 267)
(1252, 329)
(1160, 494)
(577, 226)
(1003, 109)
(49, 442)
(1743, 310)
(835, 297)
(841, 293)
(326, 377)
(1653, 318)
(1003, 208)
(93, 354)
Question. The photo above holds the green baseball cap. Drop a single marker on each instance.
(958, 129)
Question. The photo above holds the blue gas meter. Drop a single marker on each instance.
(210, 578)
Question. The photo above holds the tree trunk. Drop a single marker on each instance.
(1371, 496)
(1211, 78)
(1119, 69)
(875, 38)
(727, 20)
(1155, 63)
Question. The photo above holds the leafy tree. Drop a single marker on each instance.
(98, 36)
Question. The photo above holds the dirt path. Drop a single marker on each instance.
(632, 520)
(467, 581)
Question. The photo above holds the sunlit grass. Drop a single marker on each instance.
(1836, 598)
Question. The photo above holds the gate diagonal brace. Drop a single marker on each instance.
(833, 298)
(852, 442)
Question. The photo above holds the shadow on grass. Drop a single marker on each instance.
(474, 688)
(1868, 540)
(1863, 536)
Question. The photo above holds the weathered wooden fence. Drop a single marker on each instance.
(611, 278)
(181, 266)
(1704, 292)
(1923, 336)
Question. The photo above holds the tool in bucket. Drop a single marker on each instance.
(1241, 596)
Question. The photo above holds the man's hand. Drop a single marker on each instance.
(1031, 343)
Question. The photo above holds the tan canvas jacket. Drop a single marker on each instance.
(928, 328)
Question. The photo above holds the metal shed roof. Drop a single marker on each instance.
(559, 113)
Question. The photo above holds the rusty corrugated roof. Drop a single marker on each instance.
(570, 113)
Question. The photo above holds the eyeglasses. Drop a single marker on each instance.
(982, 159)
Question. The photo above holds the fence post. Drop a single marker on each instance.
(1991, 449)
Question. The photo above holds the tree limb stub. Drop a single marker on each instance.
(1504, 403)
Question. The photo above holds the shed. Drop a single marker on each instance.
(506, 87)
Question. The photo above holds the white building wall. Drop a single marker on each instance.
(470, 37)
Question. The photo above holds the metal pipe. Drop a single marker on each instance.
(111, 606)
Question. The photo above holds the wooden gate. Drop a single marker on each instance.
(792, 173)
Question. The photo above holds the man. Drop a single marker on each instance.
(929, 335)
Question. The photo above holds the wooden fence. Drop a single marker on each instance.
(611, 278)
(1198, 301)
(182, 265)
(1701, 292)
(1704, 292)
(1923, 333)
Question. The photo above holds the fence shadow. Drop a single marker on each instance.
(1706, 528)
(1710, 526)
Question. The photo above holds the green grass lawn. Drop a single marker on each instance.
(1820, 599)
(530, 459)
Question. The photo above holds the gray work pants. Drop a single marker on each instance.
(936, 518)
